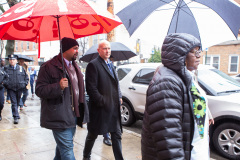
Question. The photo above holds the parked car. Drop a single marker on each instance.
(236, 77)
(134, 80)
(223, 93)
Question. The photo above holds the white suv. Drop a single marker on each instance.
(223, 94)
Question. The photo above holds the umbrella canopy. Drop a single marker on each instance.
(41, 20)
(20, 56)
(211, 21)
(49, 20)
(118, 50)
(26, 58)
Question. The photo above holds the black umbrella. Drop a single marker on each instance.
(211, 21)
(26, 58)
(118, 50)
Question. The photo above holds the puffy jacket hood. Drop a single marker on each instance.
(175, 48)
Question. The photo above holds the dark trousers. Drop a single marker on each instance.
(8, 96)
(24, 97)
(15, 100)
(32, 87)
(1, 100)
(116, 144)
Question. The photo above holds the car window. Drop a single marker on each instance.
(218, 81)
(122, 72)
(144, 76)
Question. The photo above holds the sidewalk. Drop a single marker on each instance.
(28, 141)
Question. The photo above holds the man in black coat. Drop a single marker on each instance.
(16, 82)
(104, 101)
(62, 99)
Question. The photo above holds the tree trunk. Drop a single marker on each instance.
(10, 43)
(110, 7)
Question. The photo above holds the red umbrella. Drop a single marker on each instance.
(49, 20)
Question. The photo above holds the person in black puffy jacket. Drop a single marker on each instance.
(169, 123)
(16, 82)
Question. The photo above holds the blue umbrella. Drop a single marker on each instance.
(194, 17)
(118, 50)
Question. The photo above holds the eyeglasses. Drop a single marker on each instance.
(197, 53)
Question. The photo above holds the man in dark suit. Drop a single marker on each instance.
(104, 102)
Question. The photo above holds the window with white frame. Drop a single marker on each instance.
(95, 39)
(34, 45)
(28, 46)
(22, 46)
(102, 37)
(233, 64)
(16, 46)
(212, 60)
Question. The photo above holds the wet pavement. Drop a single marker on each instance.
(28, 141)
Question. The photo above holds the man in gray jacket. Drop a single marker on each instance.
(62, 99)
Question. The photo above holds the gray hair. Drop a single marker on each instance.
(103, 42)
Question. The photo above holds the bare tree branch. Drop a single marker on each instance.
(2, 9)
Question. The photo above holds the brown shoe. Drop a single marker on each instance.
(25, 105)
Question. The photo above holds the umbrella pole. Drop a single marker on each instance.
(64, 73)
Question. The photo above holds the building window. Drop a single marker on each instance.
(34, 45)
(95, 39)
(16, 46)
(212, 61)
(27, 45)
(102, 37)
(233, 64)
(22, 46)
(30, 63)
(41, 59)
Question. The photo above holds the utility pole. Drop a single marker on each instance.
(110, 7)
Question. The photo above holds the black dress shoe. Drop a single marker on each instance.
(15, 121)
(107, 141)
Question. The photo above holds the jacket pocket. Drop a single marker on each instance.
(55, 78)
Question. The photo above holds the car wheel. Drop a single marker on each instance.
(127, 116)
(226, 140)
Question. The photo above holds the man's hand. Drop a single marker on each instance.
(121, 101)
(63, 83)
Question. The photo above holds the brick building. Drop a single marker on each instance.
(29, 49)
(224, 56)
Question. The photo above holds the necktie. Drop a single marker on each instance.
(110, 68)
(70, 65)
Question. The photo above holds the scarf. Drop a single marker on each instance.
(199, 109)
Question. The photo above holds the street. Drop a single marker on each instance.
(28, 141)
